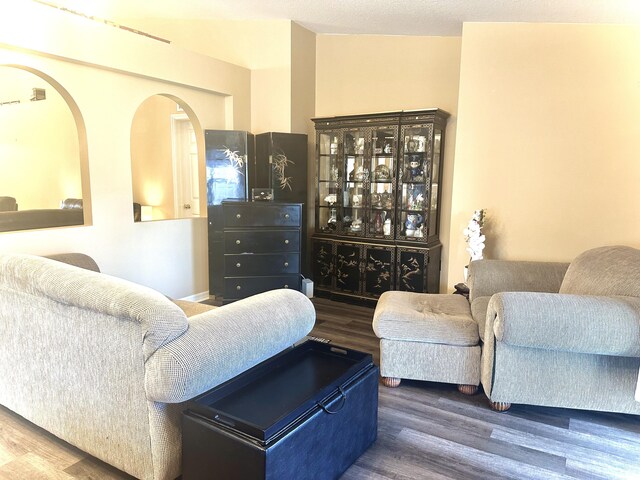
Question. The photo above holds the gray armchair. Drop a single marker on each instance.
(562, 335)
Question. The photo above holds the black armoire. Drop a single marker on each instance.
(238, 162)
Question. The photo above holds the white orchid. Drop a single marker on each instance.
(473, 235)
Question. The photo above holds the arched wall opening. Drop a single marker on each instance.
(43, 153)
(167, 160)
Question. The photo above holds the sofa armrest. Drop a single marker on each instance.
(224, 342)
(573, 323)
(487, 277)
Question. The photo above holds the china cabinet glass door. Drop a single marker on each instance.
(329, 178)
(414, 183)
(435, 183)
(356, 175)
(382, 185)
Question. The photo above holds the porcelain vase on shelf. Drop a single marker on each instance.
(386, 228)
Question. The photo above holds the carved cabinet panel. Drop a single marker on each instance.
(322, 264)
(378, 270)
(347, 267)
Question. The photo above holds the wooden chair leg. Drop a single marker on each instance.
(499, 406)
(390, 382)
(468, 389)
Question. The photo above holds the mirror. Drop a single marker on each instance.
(164, 161)
(41, 184)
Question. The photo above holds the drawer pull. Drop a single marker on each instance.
(286, 215)
(238, 264)
(238, 215)
(286, 286)
(237, 242)
(238, 287)
(286, 264)
(286, 242)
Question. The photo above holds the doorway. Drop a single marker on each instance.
(185, 167)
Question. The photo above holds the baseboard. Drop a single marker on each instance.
(198, 297)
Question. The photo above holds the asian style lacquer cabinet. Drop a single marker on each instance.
(377, 202)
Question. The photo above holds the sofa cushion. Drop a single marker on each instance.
(192, 308)
(605, 271)
(479, 312)
(429, 318)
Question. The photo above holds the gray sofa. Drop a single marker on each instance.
(558, 334)
(107, 365)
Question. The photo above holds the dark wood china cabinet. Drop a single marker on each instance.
(377, 203)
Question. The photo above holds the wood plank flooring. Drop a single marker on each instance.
(426, 431)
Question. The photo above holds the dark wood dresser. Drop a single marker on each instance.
(262, 247)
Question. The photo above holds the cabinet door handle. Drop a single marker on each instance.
(238, 215)
(286, 242)
(238, 264)
(286, 286)
(238, 287)
(237, 242)
(286, 215)
(286, 264)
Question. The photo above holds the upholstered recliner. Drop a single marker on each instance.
(562, 335)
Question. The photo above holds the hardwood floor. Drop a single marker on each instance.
(426, 431)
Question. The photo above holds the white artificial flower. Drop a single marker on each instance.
(473, 235)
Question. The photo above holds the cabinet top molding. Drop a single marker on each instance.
(421, 114)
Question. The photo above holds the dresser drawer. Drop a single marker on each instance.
(261, 264)
(263, 241)
(262, 215)
(241, 287)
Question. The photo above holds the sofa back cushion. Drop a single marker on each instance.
(604, 271)
(159, 319)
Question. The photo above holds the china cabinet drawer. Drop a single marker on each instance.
(262, 241)
(261, 264)
(262, 215)
(241, 287)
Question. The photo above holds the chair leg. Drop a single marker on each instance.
(468, 389)
(499, 406)
(391, 382)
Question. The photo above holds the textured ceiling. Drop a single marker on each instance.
(387, 17)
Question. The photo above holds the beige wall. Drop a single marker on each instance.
(109, 73)
(264, 46)
(547, 140)
(367, 74)
(303, 94)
